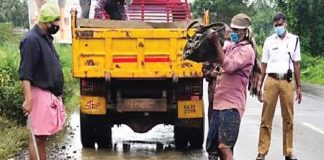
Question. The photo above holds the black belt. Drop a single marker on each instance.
(278, 76)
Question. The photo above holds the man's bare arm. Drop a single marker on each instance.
(263, 74)
(297, 80)
(27, 105)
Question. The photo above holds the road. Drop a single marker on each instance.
(308, 137)
(309, 128)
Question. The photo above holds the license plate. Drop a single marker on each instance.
(93, 105)
(190, 109)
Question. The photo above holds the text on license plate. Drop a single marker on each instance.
(190, 109)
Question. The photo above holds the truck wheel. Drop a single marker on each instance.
(196, 138)
(102, 132)
(180, 137)
(87, 131)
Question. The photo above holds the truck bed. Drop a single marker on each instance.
(130, 49)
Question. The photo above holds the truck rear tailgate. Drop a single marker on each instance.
(130, 52)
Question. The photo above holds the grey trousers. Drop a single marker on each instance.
(85, 8)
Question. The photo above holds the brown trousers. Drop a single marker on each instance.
(285, 91)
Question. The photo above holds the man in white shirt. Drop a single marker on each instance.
(280, 59)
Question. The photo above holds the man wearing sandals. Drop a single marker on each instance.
(280, 58)
(231, 89)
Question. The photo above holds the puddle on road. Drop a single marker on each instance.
(156, 144)
(142, 146)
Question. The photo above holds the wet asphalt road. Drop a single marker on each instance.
(308, 138)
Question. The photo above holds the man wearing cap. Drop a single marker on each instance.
(41, 77)
(209, 70)
(61, 4)
(231, 88)
(280, 58)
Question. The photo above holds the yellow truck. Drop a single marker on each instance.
(133, 72)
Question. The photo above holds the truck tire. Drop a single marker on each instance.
(86, 131)
(95, 129)
(180, 137)
(183, 135)
(196, 138)
(102, 132)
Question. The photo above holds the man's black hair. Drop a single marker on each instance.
(279, 16)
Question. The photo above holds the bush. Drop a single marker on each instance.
(11, 96)
(10, 90)
(312, 69)
(71, 85)
(260, 37)
(6, 34)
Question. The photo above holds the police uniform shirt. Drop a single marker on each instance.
(275, 53)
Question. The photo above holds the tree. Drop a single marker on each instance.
(306, 19)
(221, 10)
(262, 4)
(15, 11)
(262, 19)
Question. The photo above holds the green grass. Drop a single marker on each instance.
(13, 137)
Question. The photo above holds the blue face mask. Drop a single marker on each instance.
(235, 37)
(280, 30)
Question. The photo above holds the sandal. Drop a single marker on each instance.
(290, 157)
(260, 157)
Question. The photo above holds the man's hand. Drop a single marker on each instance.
(260, 96)
(299, 95)
(27, 106)
(214, 38)
(216, 73)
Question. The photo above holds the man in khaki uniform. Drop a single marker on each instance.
(280, 59)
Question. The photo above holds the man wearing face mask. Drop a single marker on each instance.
(230, 95)
(280, 58)
(41, 77)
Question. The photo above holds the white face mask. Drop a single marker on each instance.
(280, 30)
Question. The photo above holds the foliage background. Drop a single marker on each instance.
(14, 11)
(305, 18)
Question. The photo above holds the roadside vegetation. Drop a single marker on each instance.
(312, 69)
(13, 133)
